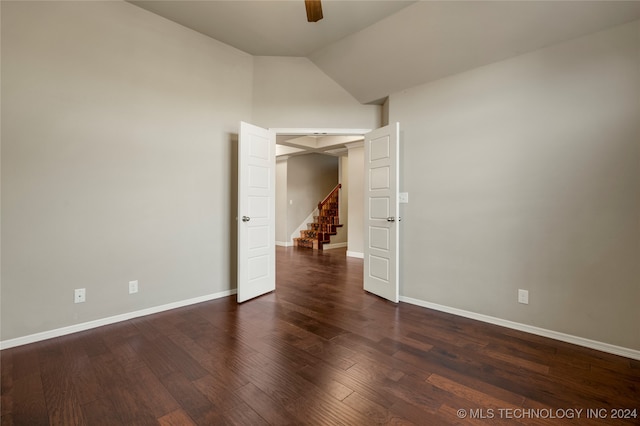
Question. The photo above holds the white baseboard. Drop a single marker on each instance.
(284, 244)
(355, 254)
(576, 340)
(37, 337)
(333, 246)
(580, 341)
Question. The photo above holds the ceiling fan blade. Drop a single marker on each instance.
(314, 10)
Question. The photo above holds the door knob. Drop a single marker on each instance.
(246, 218)
(391, 219)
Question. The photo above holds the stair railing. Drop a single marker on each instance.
(329, 197)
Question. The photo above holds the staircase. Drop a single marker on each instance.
(324, 224)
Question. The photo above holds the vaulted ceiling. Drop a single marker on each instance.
(375, 48)
(273, 27)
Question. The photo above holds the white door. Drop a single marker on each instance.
(381, 185)
(256, 211)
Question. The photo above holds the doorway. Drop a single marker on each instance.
(256, 197)
(298, 157)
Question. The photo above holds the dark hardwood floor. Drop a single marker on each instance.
(317, 351)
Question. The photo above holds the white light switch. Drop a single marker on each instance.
(403, 197)
(523, 296)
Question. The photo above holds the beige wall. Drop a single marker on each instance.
(526, 174)
(282, 201)
(343, 201)
(293, 92)
(355, 235)
(116, 161)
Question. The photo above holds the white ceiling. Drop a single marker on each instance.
(273, 27)
(306, 144)
(376, 48)
(430, 40)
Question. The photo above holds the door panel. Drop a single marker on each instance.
(256, 210)
(381, 181)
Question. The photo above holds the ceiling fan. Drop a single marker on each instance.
(314, 10)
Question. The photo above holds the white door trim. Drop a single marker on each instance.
(322, 131)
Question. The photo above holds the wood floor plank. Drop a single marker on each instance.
(243, 415)
(218, 393)
(475, 396)
(377, 413)
(519, 362)
(176, 418)
(315, 407)
(281, 351)
(317, 351)
(29, 405)
(119, 390)
(268, 409)
(369, 353)
(149, 390)
(417, 415)
(6, 383)
(25, 361)
(79, 371)
(63, 404)
(322, 379)
(7, 419)
(101, 412)
(191, 401)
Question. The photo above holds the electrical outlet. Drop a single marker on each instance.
(79, 295)
(523, 296)
(133, 287)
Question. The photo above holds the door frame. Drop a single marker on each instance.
(320, 131)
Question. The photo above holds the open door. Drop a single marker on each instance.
(256, 211)
(381, 236)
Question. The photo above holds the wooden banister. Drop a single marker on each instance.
(328, 197)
